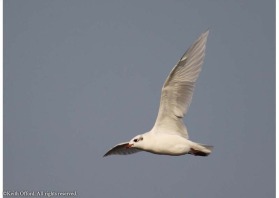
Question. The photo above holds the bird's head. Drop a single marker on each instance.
(136, 142)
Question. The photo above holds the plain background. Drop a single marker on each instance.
(82, 76)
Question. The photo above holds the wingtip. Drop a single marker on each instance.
(205, 34)
(105, 155)
(203, 37)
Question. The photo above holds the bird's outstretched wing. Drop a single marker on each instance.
(178, 90)
(121, 149)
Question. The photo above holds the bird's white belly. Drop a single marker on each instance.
(169, 145)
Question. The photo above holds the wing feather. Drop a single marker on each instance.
(121, 149)
(178, 90)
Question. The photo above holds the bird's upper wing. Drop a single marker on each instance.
(121, 149)
(178, 90)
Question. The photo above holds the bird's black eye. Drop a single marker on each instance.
(135, 140)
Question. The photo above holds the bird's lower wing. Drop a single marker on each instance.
(122, 149)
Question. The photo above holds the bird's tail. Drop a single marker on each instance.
(200, 149)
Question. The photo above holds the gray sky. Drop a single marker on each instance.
(82, 76)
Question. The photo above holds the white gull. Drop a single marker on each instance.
(169, 134)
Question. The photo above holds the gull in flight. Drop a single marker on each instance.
(169, 135)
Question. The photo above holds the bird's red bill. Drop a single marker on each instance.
(129, 146)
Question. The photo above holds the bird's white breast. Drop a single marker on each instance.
(167, 144)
